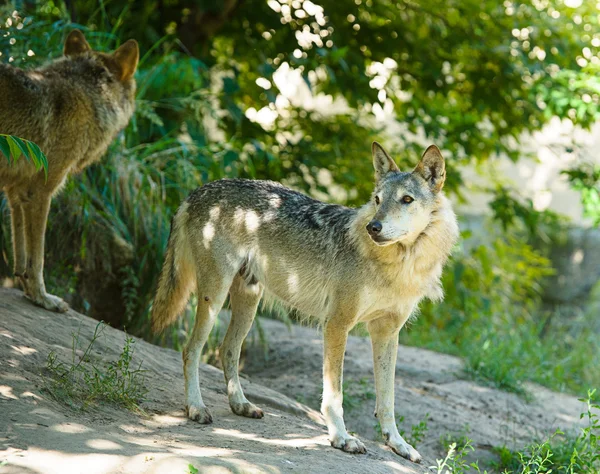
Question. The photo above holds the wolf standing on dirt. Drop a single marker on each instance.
(72, 108)
(338, 265)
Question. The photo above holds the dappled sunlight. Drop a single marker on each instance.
(395, 467)
(208, 232)
(45, 413)
(274, 200)
(296, 443)
(6, 392)
(51, 461)
(252, 221)
(103, 445)
(71, 428)
(23, 350)
(168, 420)
(29, 394)
(578, 256)
(214, 213)
(13, 363)
(293, 284)
(190, 449)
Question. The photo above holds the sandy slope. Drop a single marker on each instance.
(40, 435)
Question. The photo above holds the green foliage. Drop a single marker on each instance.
(13, 147)
(455, 462)
(460, 440)
(586, 179)
(471, 75)
(417, 432)
(82, 382)
(356, 393)
(192, 469)
(491, 316)
(560, 452)
(510, 211)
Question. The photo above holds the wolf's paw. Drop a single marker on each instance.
(49, 302)
(199, 414)
(402, 448)
(246, 409)
(349, 444)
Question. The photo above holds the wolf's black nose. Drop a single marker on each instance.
(374, 227)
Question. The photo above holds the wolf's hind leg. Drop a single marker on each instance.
(244, 302)
(18, 235)
(212, 291)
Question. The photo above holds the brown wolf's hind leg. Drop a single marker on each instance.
(18, 235)
(244, 302)
(36, 217)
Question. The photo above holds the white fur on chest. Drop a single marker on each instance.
(401, 294)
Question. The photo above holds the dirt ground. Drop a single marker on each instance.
(41, 435)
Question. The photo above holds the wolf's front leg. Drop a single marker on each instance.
(384, 338)
(334, 345)
(35, 213)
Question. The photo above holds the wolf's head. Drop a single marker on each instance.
(108, 77)
(404, 202)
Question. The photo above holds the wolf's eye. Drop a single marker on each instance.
(407, 199)
(377, 200)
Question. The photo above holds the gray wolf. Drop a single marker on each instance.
(338, 265)
(72, 109)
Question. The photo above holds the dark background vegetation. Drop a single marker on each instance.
(470, 76)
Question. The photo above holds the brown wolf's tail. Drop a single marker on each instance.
(177, 276)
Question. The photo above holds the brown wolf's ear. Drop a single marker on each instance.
(127, 57)
(75, 44)
(382, 162)
(432, 168)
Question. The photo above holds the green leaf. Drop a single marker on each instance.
(22, 147)
(14, 147)
(15, 151)
(38, 157)
(4, 147)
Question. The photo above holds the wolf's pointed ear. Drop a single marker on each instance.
(432, 168)
(75, 44)
(382, 162)
(127, 57)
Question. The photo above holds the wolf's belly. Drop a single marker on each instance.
(307, 288)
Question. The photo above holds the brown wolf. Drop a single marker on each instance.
(72, 108)
(338, 265)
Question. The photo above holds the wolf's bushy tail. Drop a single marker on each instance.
(177, 277)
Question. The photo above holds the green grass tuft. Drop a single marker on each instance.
(83, 382)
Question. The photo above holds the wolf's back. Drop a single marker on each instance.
(177, 277)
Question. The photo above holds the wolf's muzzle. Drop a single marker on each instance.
(374, 228)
